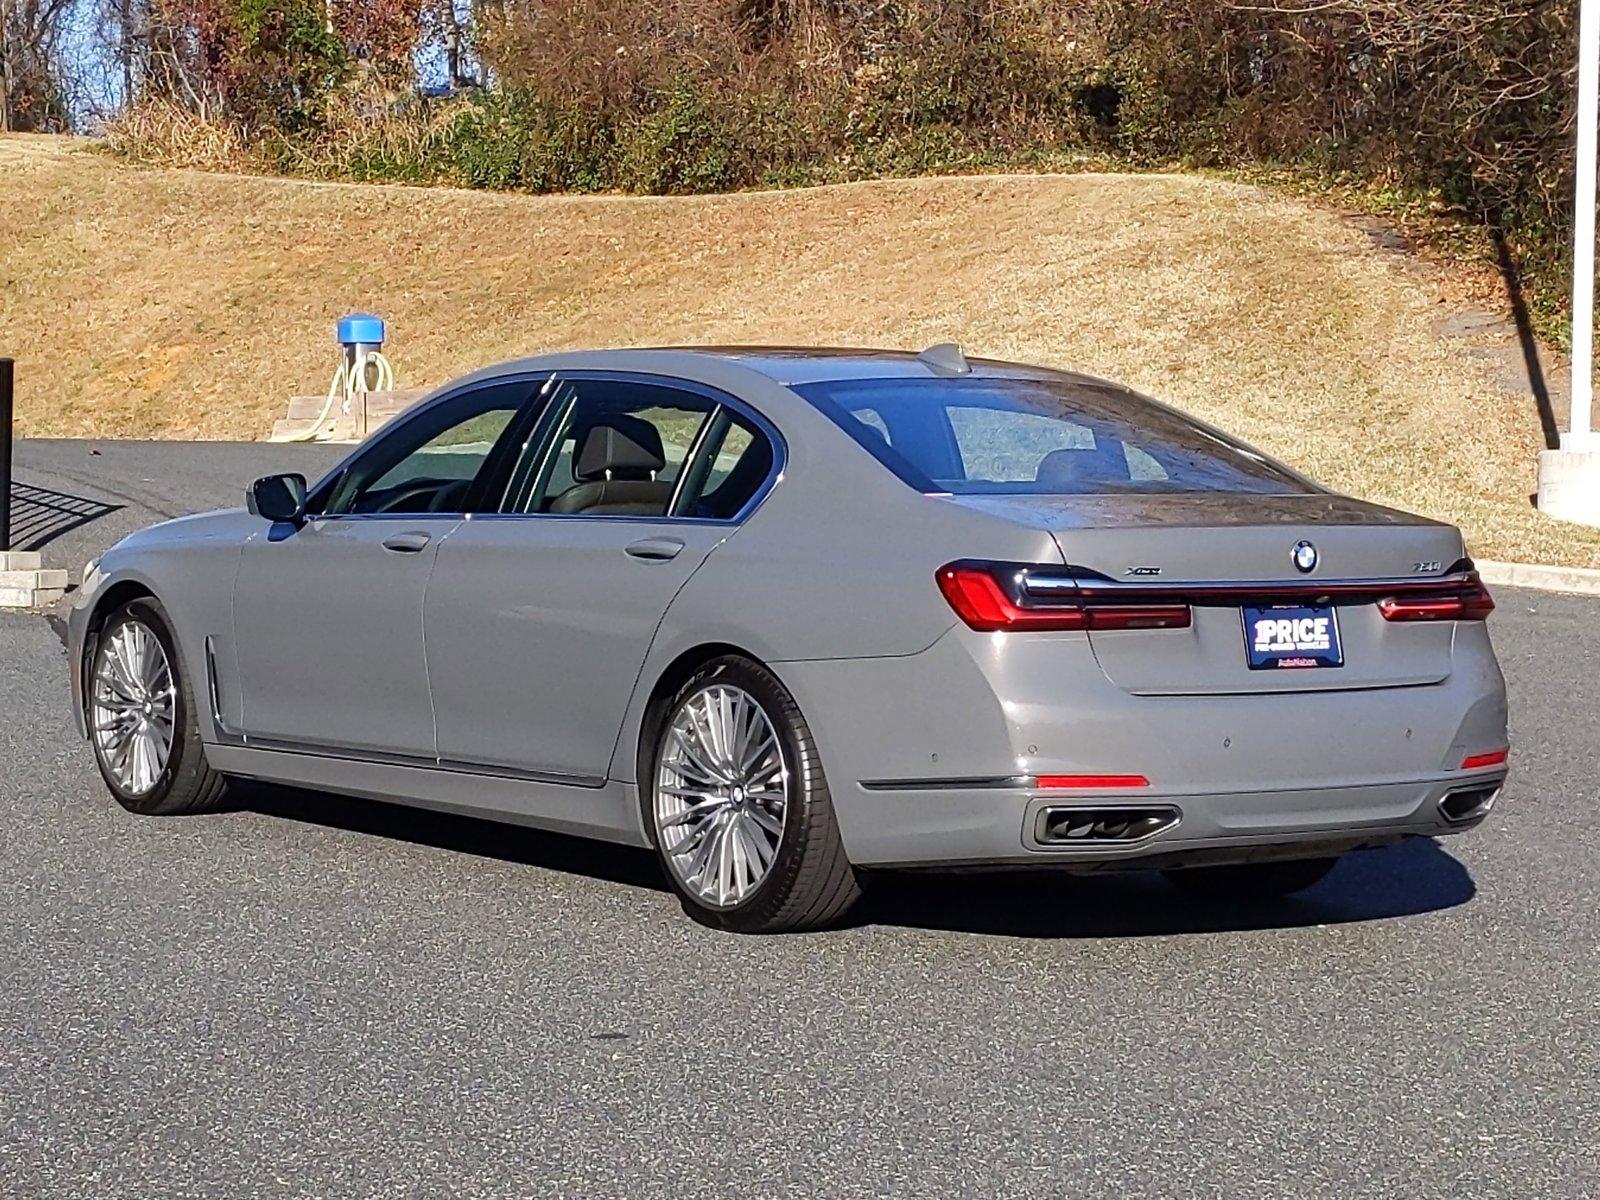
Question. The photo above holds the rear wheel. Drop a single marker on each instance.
(738, 808)
(1253, 880)
(141, 717)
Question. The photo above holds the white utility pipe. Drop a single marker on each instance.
(1578, 431)
(363, 371)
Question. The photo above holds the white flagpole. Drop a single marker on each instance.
(1578, 428)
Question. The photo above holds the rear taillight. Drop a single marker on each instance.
(1468, 601)
(980, 600)
(994, 596)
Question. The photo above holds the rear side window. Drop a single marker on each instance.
(1035, 436)
(606, 447)
(609, 448)
(727, 476)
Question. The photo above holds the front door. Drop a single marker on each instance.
(328, 616)
(329, 624)
(538, 619)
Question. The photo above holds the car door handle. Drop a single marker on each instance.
(406, 543)
(656, 549)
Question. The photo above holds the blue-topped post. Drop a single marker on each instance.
(361, 335)
(361, 331)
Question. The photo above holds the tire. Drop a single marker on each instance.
(184, 782)
(808, 882)
(1251, 881)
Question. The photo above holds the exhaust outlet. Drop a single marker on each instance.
(1119, 824)
(1469, 804)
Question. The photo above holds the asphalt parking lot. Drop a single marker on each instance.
(313, 996)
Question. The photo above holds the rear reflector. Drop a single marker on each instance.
(1048, 782)
(1476, 762)
(992, 596)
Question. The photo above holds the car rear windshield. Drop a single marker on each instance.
(1031, 436)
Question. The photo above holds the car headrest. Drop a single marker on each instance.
(618, 447)
(1104, 462)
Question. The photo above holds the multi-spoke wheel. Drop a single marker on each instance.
(721, 795)
(739, 807)
(133, 699)
(140, 712)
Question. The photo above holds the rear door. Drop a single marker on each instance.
(538, 619)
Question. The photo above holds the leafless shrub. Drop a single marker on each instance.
(169, 134)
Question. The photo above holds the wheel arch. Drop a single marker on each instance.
(668, 680)
(120, 593)
(113, 599)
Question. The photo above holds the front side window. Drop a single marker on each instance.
(1033, 436)
(428, 463)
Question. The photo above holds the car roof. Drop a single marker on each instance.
(812, 364)
(794, 364)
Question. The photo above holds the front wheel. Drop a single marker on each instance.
(1248, 881)
(141, 716)
(738, 807)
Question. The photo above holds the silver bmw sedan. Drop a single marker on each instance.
(783, 615)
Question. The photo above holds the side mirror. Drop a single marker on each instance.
(278, 498)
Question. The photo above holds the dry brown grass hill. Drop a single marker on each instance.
(177, 304)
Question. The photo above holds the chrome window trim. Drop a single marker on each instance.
(695, 448)
(521, 484)
(315, 518)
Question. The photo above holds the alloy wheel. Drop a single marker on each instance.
(721, 794)
(133, 707)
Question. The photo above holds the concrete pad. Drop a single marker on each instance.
(1569, 485)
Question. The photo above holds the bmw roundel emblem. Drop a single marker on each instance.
(1305, 557)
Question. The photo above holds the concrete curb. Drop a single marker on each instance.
(1583, 581)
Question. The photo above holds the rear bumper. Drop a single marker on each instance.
(904, 739)
(1001, 826)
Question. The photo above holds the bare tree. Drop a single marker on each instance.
(30, 43)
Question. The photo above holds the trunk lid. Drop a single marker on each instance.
(1168, 541)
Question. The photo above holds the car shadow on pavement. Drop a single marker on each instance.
(1412, 877)
(450, 831)
(1405, 879)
